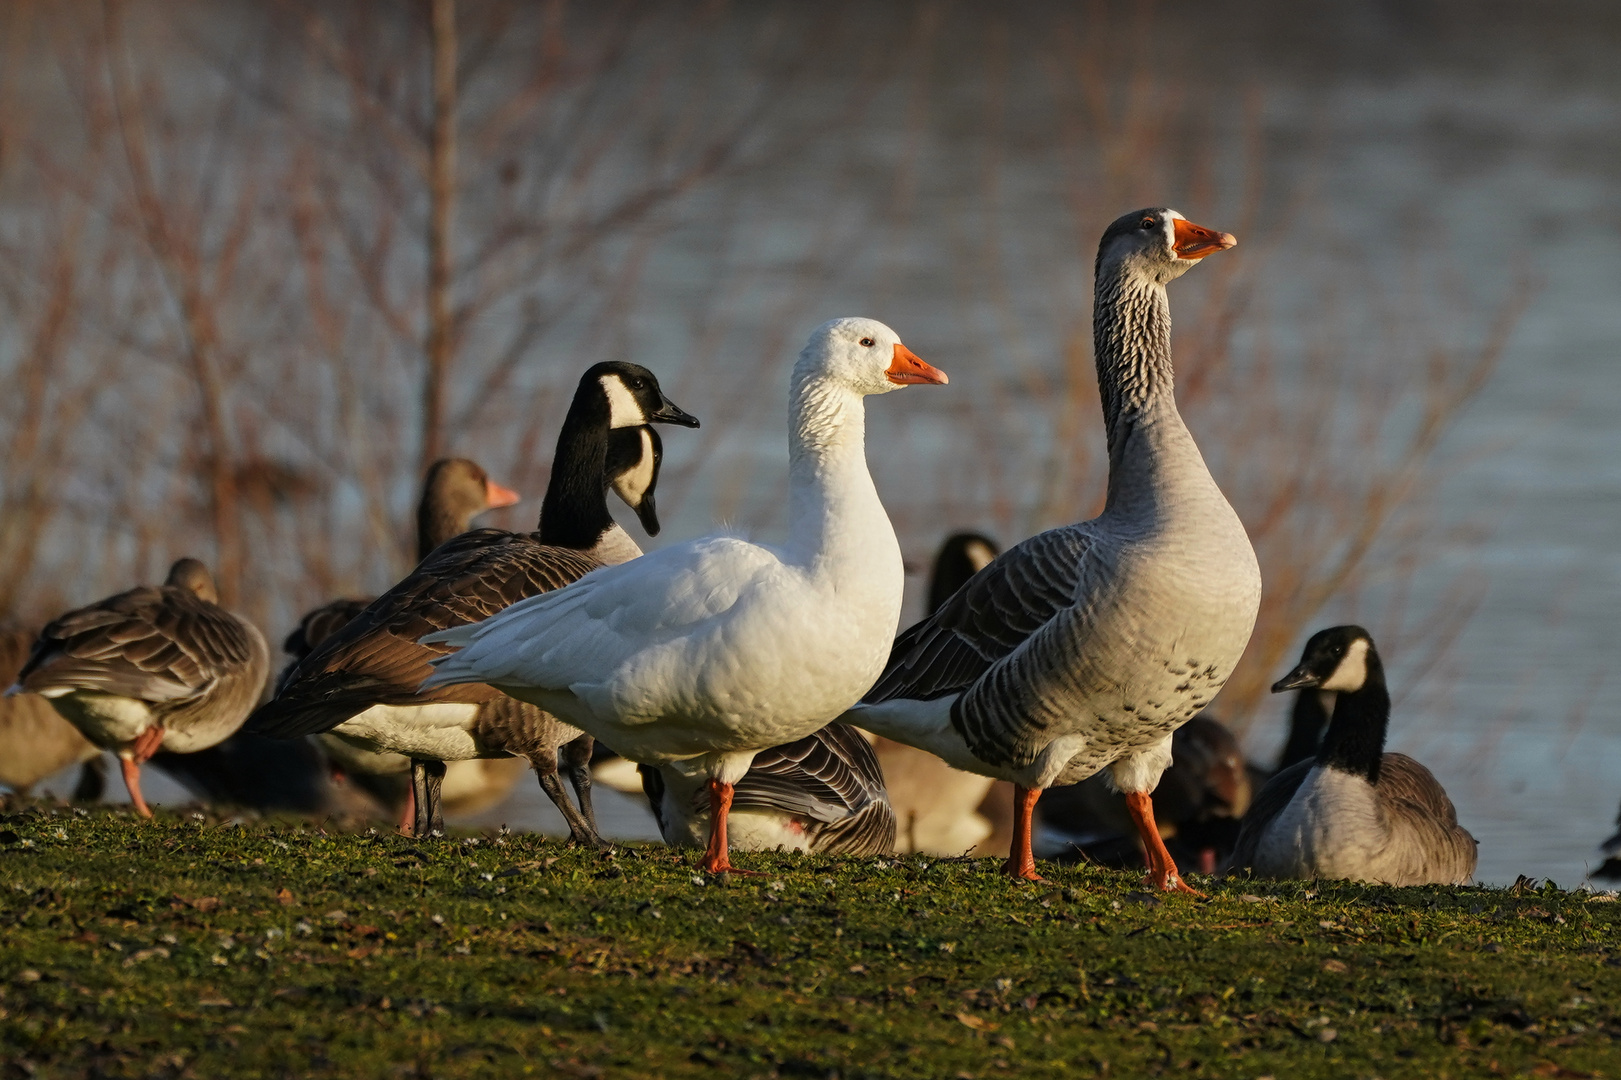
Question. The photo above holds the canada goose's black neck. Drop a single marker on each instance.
(1306, 722)
(1355, 741)
(574, 513)
(1131, 341)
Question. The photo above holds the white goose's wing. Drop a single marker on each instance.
(619, 631)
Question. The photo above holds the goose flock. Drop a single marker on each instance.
(758, 695)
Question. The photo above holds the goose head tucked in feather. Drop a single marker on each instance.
(962, 556)
(454, 492)
(1342, 660)
(601, 447)
(193, 576)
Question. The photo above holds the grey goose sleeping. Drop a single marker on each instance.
(257, 772)
(361, 683)
(157, 667)
(1353, 811)
(1085, 647)
(823, 794)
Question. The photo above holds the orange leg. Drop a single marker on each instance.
(146, 744)
(1021, 861)
(716, 859)
(132, 781)
(1162, 872)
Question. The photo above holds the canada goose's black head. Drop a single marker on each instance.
(634, 458)
(454, 492)
(630, 396)
(193, 576)
(1336, 659)
(1157, 243)
(962, 556)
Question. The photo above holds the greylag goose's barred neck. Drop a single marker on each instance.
(1131, 342)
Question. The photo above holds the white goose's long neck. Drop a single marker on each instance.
(834, 511)
(1150, 449)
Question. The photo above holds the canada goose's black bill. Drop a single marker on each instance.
(669, 412)
(908, 367)
(499, 496)
(1196, 241)
(1301, 678)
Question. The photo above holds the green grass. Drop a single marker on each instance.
(196, 947)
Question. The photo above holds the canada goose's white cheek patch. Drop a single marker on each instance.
(1352, 671)
(633, 484)
(979, 555)
(622, 408)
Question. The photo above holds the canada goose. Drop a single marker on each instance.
(823, 794)
(702, 654)
(1353, 811)
(1611, 851)
(361, 683)
(1085, 647)
(38, 742)
(1197, 805)
(155, 667)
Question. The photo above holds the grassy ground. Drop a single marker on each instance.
(194, 947)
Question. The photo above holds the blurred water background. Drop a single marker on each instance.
(1405, 374)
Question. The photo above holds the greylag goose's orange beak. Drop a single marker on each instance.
(499, 496)
(908, 367)
(1196, 241)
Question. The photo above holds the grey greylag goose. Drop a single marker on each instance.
(361, 683)
(1085, 647)
(155, 667)
(1353, 811)
(823, 794)
(38, 742)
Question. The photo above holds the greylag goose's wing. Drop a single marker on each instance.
(375, 658)
(314, 628)
(1277, 793)
(831, 777)
(1424, 823)
(986, 619)
(155, 644)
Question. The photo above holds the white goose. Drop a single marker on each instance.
(1085, 647)
(698, 656)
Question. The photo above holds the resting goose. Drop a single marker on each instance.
(1086, 646)
(361, 683)
(155, 667)
(700, 655)
(823, 794)
(1353, 811)
(37, 742)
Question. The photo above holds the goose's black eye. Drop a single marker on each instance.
(867, 342)
(1149, 223)
(638, 384)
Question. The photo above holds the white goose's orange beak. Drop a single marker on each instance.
(908, 367)
(499, 496)
(1196, 241)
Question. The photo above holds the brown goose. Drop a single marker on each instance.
(1353, 811)
(38, 742)
(361, 683)
(154, 667)
(823, 793)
